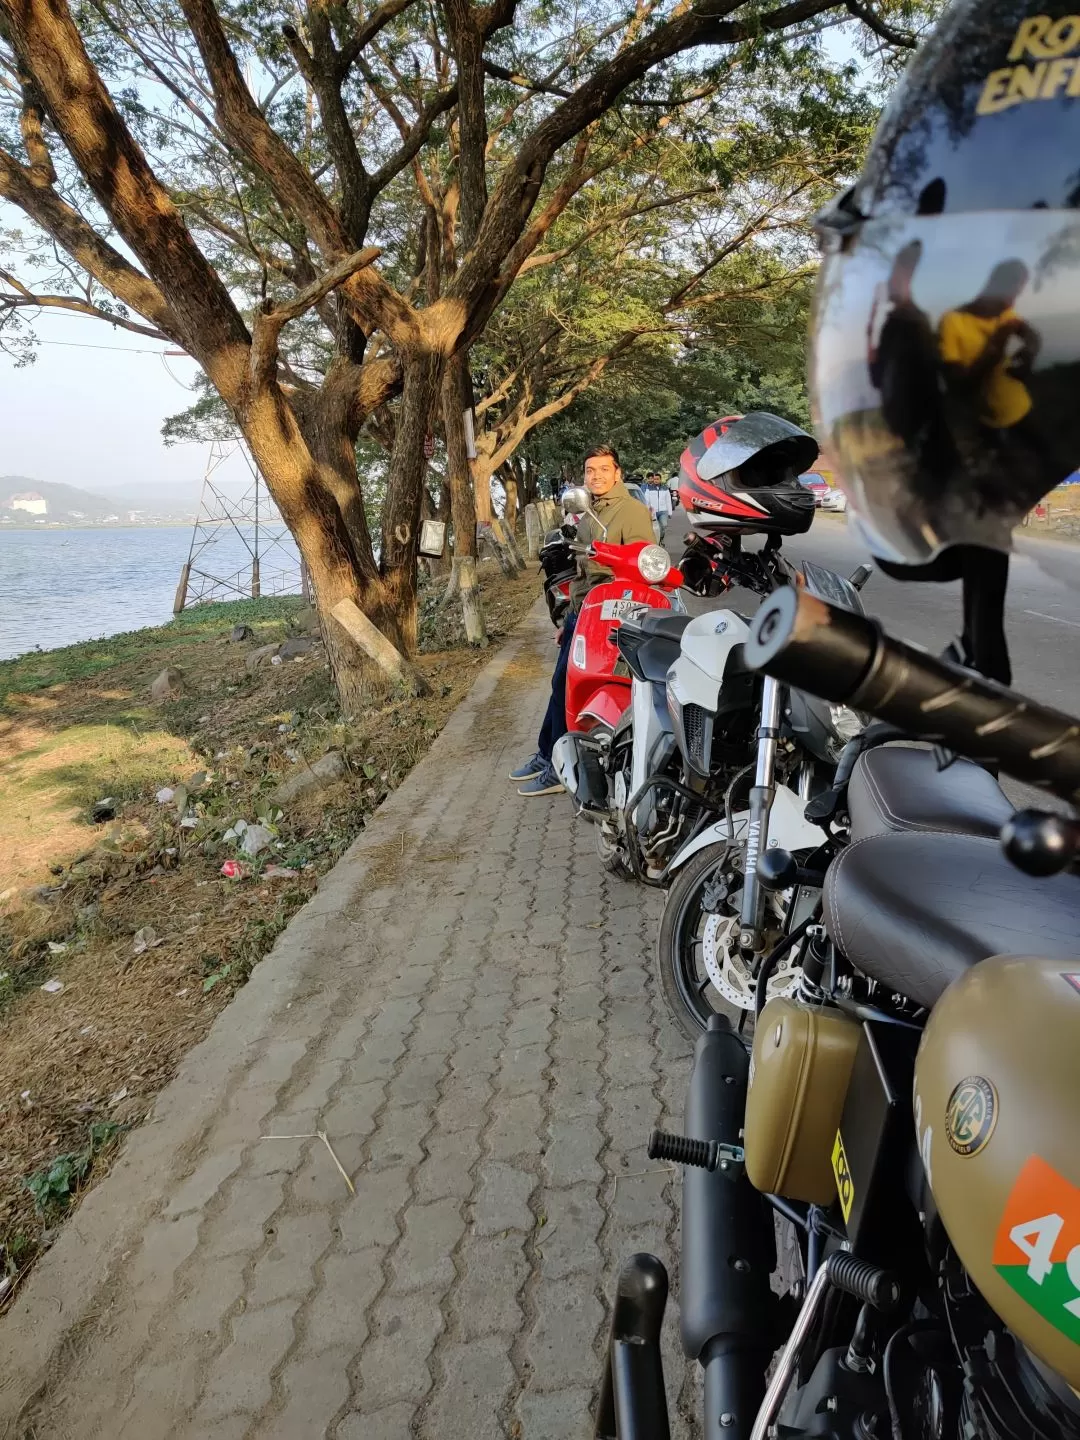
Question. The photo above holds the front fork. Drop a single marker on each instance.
(757, 832)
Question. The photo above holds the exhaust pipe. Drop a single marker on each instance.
(728, 1311)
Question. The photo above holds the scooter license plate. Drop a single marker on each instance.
(622, 609)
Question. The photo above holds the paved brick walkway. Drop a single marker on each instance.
(468, 1011)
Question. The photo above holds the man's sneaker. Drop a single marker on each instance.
(534, 766)
(546, 783)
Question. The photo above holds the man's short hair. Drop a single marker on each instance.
(599, 451)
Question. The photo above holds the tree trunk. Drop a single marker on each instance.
(458, 473)
(482, 491)
(528, 482)
(511, 486)
(404, 500)
(472, 608)
(336, 549)
(455, 390)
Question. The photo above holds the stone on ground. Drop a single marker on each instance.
(169, 685)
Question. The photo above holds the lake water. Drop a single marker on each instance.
(60, 586)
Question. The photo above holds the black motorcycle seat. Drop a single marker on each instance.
(896, 788)
(663, 622)
(914, 911)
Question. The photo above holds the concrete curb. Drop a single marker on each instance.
(71, 1286)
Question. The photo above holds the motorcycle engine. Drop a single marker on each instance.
(1007, 1393)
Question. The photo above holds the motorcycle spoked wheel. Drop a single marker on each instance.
(695, 922)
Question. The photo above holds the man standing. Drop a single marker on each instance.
(659, 504)
(625, 520)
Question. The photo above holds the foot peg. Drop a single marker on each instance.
(702, 1154)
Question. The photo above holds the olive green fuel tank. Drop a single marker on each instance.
(997, 1114)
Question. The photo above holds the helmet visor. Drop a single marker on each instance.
(750, 437)
(945, 373)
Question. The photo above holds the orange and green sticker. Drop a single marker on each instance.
(1037, 1250)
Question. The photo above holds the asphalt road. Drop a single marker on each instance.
(1042, 613)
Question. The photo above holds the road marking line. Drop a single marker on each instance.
(1059, 618)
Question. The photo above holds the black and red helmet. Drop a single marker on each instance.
(742, 473)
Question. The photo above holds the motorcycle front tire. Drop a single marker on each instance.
(687, 1002)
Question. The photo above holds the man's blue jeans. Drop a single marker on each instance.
(554, 726)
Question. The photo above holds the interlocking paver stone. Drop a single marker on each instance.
(502, 1203)
(423, 1260)
(467, 1010)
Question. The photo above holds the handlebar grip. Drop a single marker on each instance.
(849, 659)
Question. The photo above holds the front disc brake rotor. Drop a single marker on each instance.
(729, 972)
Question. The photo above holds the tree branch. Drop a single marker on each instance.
(517, 191)
(375, 303)
(262, 363)
(379, 18)
(413, 136)
(903, 38)
(467, 41)
(115, 168)
(25, 299)
(534, 87)
(323, 73)
(31, 118)
(85, 246)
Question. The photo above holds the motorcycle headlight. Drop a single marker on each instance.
(654, 563)
(845, 722)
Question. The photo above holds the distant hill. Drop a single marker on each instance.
(170, 499)
(62, 499)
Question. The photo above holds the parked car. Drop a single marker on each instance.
(815, 483)
(826, 496)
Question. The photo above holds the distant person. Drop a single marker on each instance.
(625, 520)
(902, 356)
(658, 499)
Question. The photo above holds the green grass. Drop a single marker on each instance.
(55, 1186)
(39, 670)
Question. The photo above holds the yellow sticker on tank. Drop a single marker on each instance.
(845, 1186)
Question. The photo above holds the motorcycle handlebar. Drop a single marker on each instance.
(849, 659)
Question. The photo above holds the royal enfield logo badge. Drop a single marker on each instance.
(971, 1115)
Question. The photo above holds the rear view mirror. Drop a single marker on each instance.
(860, 575)
(576, 501)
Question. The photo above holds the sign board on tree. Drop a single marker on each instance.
(433, 538)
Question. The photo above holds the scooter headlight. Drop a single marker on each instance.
(654, 563)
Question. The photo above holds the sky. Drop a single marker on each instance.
(89, 411)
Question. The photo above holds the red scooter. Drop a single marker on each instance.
(598, 680)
